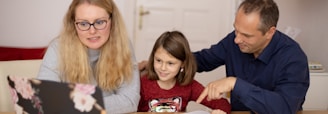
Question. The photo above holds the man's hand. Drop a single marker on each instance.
(142, 66)
(216, 89)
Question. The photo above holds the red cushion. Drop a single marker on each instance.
(11, 53)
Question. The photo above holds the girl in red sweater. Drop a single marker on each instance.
(169, 84)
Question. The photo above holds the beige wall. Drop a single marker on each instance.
(34, 23)
(310, 16)
(30, 23)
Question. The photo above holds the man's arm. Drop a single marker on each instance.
(286, 97)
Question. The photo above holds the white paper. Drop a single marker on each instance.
(198, 112)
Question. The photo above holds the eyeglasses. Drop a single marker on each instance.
(98, 25)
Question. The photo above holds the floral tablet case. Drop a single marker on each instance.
(32, 96)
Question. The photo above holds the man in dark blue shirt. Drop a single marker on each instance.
(267, 71)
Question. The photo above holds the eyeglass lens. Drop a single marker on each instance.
(98, 24)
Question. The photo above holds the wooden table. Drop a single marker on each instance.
(313, 112)
(245, 112)
(233, 112)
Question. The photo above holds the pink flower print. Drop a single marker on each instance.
(23, 86)
(81, 95)
(14, 95)
(37, 104)
(85, 88)
(19, 109)
(83, 102)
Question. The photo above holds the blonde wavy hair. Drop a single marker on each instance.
(114, 65)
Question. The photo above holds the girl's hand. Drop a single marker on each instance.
(218, 111)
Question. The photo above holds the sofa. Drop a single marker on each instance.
(24, 62)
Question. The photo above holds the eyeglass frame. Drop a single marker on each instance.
(93, 24)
